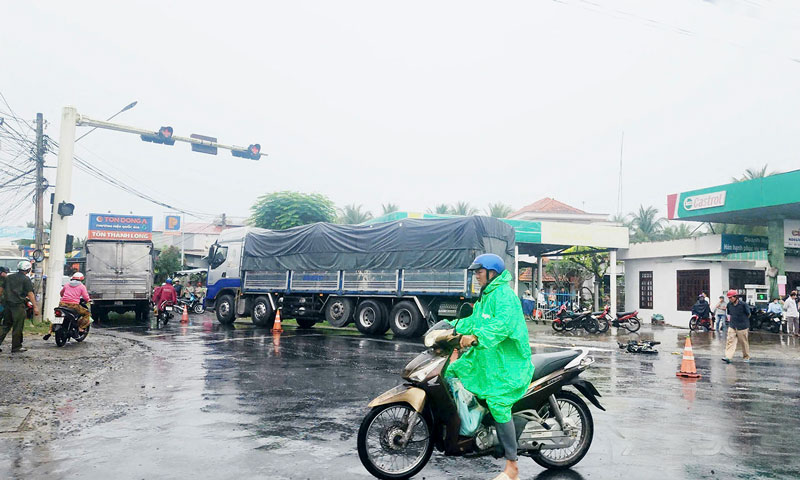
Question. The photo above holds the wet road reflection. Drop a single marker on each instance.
(240, 402)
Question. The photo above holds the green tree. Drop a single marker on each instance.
(282, 210)
(389, 208)
(440, 209)
(167, 263)
(677, 232)
(646, 224)
(753, 173)
(352, 214)
(78, 243)
(499, 210)
(592, 265)
(463, 208)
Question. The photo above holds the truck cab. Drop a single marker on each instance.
(224, 267)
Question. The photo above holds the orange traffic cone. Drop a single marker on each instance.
(185, 315)
(688, 369)
(276, 327)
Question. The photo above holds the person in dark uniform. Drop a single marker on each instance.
(17, 290)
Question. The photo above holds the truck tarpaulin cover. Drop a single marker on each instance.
(450, 243)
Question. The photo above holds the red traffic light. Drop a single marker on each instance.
(162, 136)
(255, 150)
(165, 132)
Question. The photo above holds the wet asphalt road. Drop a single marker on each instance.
(238, 402)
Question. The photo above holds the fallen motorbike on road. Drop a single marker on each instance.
(554, 425)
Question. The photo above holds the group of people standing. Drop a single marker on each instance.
(789, 308)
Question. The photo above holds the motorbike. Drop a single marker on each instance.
(628, 320)
(771, 322)
(193, 303)
(164, 314)
(554, 425)
(566, 320)
(696, 323)
(68, 327)
(640, 347)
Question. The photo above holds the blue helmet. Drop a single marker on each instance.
(169, 280)
(489, 261)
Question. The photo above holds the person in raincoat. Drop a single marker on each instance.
(498, 368)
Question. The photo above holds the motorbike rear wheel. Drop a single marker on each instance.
(378, 446)
(61, 336)
(602, 324)
(574, 410)
(199, 308)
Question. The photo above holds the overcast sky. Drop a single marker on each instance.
(414, 103)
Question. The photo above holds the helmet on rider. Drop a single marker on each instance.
(701, 297)
(732, 293)
(24, 266)
(77, 276)
(168, 281)
(489, 261)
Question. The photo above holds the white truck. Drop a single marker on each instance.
(402, 275)
(119, 277)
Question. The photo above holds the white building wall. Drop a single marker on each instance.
(665, 283)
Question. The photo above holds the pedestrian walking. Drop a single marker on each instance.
(721, 314)
(790, 307)
(16, 291)
(739, 327)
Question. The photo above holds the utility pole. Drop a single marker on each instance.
(39, 224)
(58, 228)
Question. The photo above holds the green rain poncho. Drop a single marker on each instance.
(499, 368)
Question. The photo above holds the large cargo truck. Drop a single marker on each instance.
(119, 277)
(403, 275)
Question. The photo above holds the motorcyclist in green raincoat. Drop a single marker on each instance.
(498, 369)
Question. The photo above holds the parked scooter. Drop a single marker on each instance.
(696, 323)
(193, 303)
(69, 326)
(567, 320)
(554, 425)
(771, 322)
(628, 320)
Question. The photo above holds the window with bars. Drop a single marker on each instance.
(691, 283)
(646, 290)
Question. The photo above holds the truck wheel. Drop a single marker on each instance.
(263, 315)
(371, 318)
(339, 311)
(224, 309)
(406, 320)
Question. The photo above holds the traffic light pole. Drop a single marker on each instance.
(89, 122)
(58, 228)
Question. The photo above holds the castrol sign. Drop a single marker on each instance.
(706, 200)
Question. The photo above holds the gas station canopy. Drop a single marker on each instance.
(750, 202)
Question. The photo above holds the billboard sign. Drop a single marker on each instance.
(791, 233)
(743, 243)
(106, 226)
(172, 224)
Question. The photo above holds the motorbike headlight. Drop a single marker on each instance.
(424, 372)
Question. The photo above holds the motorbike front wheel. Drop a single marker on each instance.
(577, 414)
(557, 324)
(693, 324)
(633, 325)
(198, 308)
(380, 445)
(82, 336)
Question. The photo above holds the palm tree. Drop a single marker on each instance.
(389, 208)
(624, 220)
(646, 224)
(499, 210)
(463, 208)
(352, 214)
(677, 232)
(753, 173)
(441, 209)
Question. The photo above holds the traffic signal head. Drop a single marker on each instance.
(65, 209)
(253, 152)
(163, 136)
